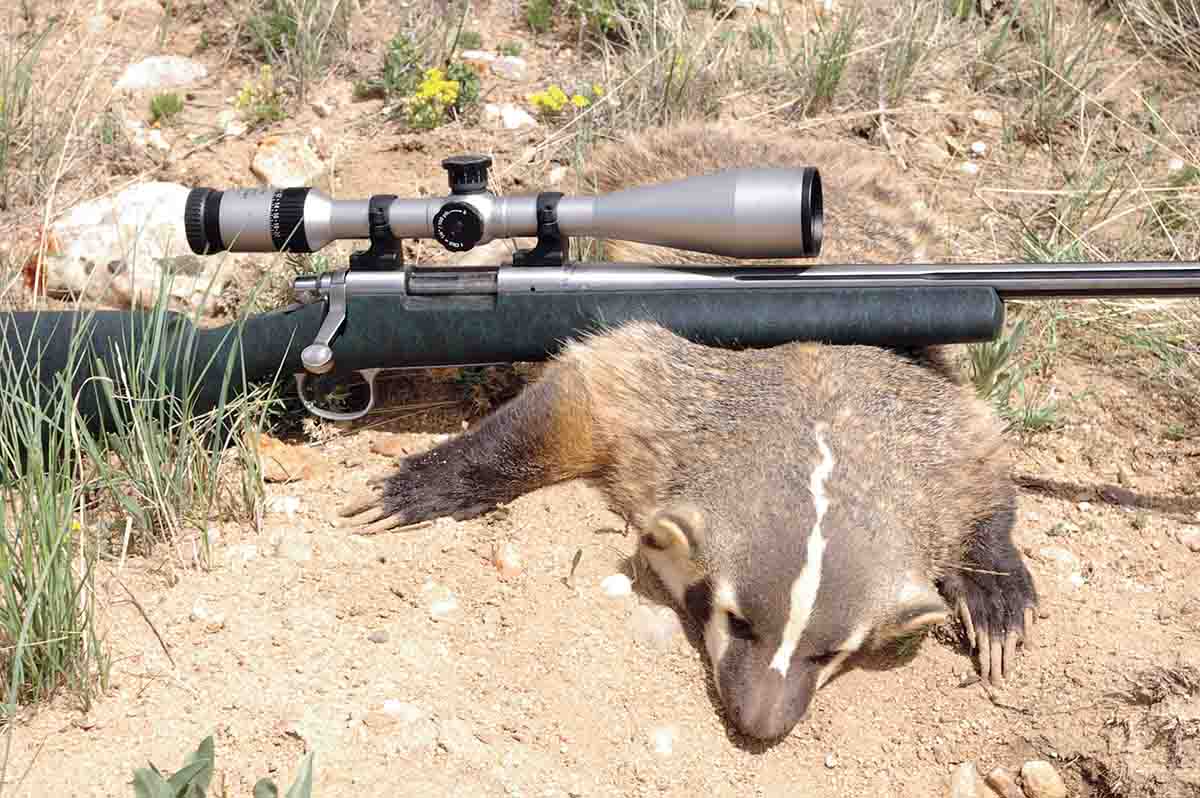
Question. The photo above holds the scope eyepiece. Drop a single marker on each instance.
(202, 221)
(261, 220)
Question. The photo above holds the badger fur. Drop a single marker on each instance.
(811, 508)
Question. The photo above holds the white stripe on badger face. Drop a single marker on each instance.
(804, 589)
(716, 631)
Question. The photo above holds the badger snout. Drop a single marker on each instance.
(762, 702)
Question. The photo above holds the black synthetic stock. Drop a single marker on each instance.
(390, 332)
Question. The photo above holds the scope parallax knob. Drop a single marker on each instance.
(457, 226)
(468, 173)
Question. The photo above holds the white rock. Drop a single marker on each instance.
(510, 67)
(162, 71)
(978, 147)
(510, 116)
(616, 585)
(970, 168)
(557, 175)
(288, 505)
(987, 117)
(663, 738)
(482, 56)
(1175, 165)
(1041, 780)
(287, 162)
(119, 249)
(963, 784)
(654, 627)
(1059, 555)
(212, 621)
(443, 607)
(765, 6)
(294, 547)
(1190, 537)
(243, 552)
(231, 124)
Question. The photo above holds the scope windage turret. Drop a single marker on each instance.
(739, 213)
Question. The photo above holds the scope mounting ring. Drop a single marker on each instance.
(552, 245)
(385, 253)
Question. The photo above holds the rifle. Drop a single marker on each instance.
(381, 313)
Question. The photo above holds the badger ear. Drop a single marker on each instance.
(677, 528)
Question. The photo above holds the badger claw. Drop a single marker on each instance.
(994, 598)
(996, 612)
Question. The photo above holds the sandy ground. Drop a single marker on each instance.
(413, 665)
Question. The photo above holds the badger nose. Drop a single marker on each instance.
(770, 706)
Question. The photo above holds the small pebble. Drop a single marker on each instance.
(970, 168)
(830, 761)
(1175, 165)
(443, 607)
(963, 782)
(1059, 555)
(507, 560)
(979, 148)
(1004, 783)
(378, 636)
(663, 738)
(617, 585)
(654, 627)
(1041, 780)
(1190, 537)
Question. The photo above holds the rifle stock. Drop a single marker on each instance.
(384, 331)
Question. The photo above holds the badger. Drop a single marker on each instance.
(811, 508)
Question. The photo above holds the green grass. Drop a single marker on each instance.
(163, 471)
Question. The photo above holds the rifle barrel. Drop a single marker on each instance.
(1009, 280)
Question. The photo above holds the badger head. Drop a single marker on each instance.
(791, 586)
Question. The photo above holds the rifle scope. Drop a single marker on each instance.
(739, 213)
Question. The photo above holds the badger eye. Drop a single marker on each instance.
(739, 627)
(823, 659)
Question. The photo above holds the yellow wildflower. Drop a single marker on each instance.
(579, 101)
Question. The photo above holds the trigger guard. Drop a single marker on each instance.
(332, 415)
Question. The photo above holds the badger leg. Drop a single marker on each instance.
(994, 596)
(542, 436)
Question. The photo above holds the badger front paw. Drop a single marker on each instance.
(995, 599)
(424, 487)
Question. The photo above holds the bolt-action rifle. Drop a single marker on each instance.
(382, 313)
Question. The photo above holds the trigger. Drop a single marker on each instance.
(335, 415)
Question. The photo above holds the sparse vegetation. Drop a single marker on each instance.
(299, 38)
(1038, 131)
(164, 107)
(195, 778)
(260, 101)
